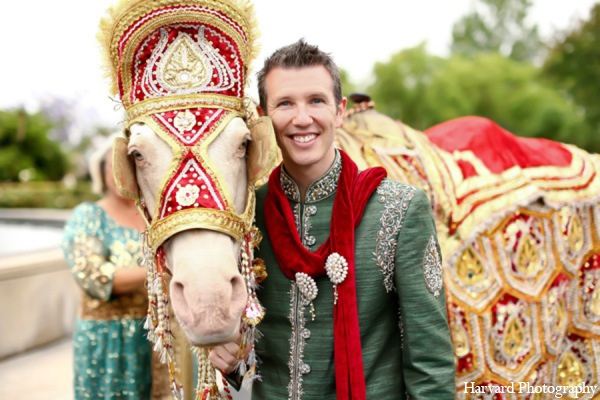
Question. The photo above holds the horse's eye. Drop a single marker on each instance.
(137, 155)
(244, 145)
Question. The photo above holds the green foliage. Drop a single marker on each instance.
(348, 87)
(44, 195)
(26, 152)
(401, 83)
(573, 63)
(423, 90)
(497, 26)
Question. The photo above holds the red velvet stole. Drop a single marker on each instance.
(353, 193)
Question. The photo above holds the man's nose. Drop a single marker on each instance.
(302, 116)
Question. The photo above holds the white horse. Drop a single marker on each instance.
(207, 291)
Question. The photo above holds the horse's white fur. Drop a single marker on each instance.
(207, 291)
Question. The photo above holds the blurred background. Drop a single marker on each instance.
(533, 66)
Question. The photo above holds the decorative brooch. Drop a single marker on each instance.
(308, 289)
(337, 270)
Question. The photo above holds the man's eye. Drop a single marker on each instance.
(317, 101)
(283, 104)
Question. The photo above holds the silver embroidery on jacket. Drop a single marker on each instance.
(297, 343)
(396, 197)
(297, 307)
(401, 326)
(319, 190)
(432, 268)
(308, 240)
(326, 185)
(297, 209)
(289, 186)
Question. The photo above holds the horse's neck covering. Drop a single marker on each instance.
(180, 67)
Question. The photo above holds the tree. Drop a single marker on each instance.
(423, 90)
(348, 87)
(573, 63)
(497, 26)
(26, 152)
(401, 84)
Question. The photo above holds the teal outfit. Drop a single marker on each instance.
(406, 343)
(112, 357)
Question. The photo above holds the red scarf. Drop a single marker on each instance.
(354, 190)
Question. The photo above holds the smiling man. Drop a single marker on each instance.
(355, 304)
(305, 113)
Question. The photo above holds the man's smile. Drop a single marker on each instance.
(305, 138)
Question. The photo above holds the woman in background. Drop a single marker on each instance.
(102, 246)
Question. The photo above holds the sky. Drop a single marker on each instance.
(50, 48)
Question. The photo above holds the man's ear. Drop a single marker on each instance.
(260, 111)
(339, 112)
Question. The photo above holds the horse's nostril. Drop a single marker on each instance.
(177, 287)
(178, 295)
(238, 293)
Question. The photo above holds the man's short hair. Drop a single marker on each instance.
(299, 55)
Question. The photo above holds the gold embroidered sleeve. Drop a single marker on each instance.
(89, 266)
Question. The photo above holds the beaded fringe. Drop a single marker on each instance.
(158, 324)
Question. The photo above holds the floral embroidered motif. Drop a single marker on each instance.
(326, 185)
(396, 197)
(184, 121)
(320, 189)
(289, 187)
(432, 268)
(188, 65)
(187, 195)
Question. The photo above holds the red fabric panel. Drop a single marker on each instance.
(497, 148)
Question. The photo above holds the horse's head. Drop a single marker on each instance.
(207, 291)
(190, 159)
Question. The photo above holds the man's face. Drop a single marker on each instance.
(302, 106)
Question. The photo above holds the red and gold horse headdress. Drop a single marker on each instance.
(181, 67)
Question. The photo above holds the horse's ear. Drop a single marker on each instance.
(262, 150)
(124, 170)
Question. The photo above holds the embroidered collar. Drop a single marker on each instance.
(320, 189)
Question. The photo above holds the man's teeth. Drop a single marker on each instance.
(304, 139)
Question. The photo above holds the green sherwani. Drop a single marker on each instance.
(406, 347)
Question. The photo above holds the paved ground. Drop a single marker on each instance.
(44, 373)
